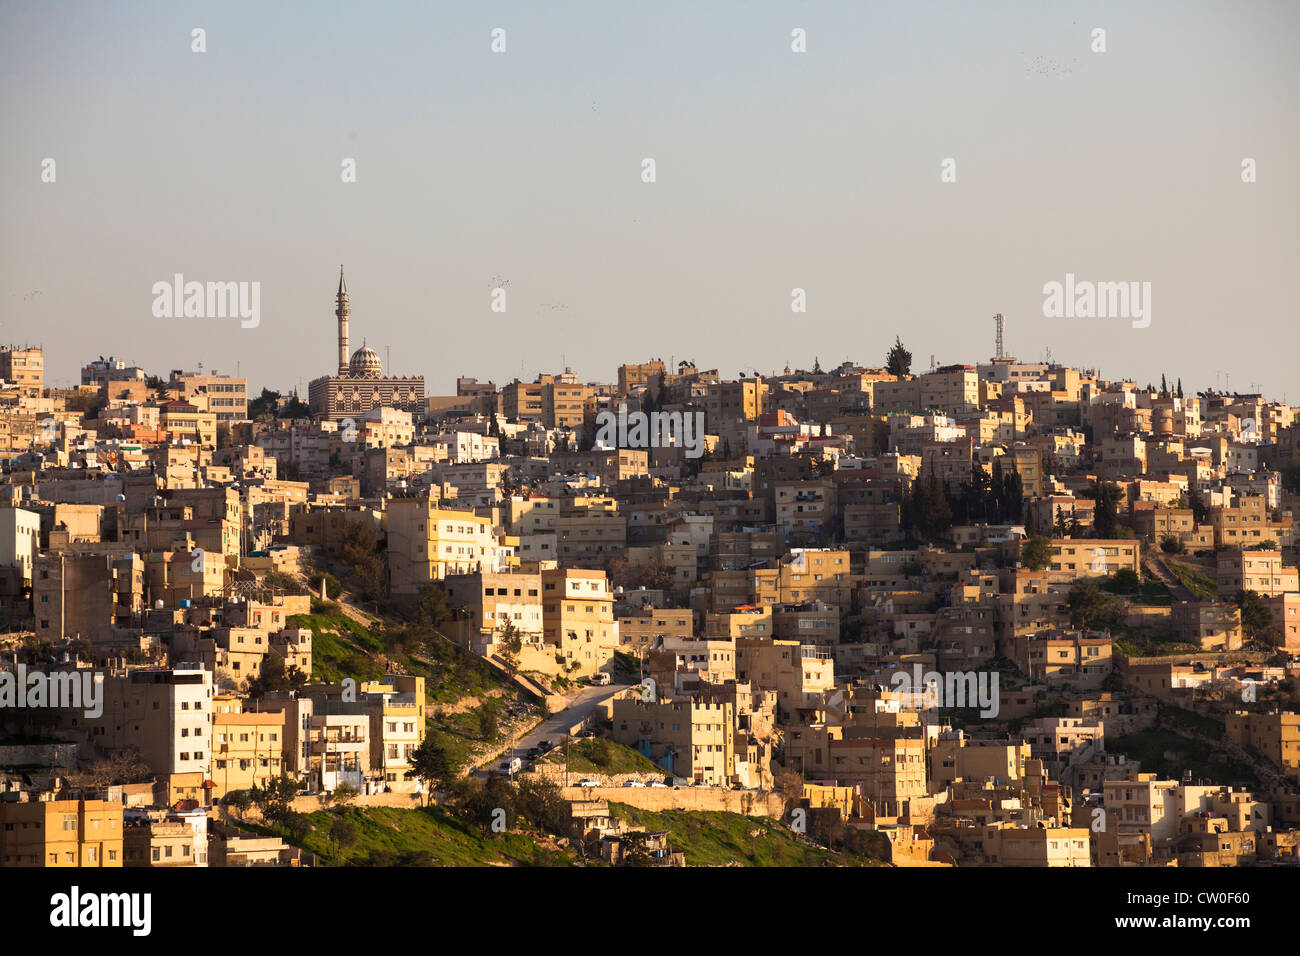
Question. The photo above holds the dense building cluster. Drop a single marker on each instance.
(1002, 614)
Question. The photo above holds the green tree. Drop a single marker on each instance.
(274, 797)
(431, 763)
(1256, 616)
(898, 361)
(1125, 581)
(1037, 555)
(488, 724)
(237, 800)
(1088, 605)
(1105, 518)
(512, 645)
(431, 606)
(343, 834)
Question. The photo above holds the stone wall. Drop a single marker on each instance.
(754, 803)
(63, 756)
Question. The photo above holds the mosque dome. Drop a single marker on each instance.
(365, 363)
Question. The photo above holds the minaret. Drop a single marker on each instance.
(342, 311)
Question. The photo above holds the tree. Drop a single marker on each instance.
(431, 607)
(1180, 388)
(929, 511)
(1256, 616)
(1172, 544)
(1164, 388)
(1061, 527)
(1105, 518)
(361, 551)
(487, 719)
(431, 763)
(273, 798)
(1125, 581)
(898, 360)
(344, 794)
(343, 833)
(512, 644)
(1089, 605)
(1037, 555)
(239, 801)
(296, 826)
(265, 405)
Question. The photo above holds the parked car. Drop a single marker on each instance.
(589, 783)
(600, 679)
(512, 766)
(544, 746)
(633, 783)
(658, 783)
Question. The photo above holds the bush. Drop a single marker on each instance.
(332, 586)
(1172, 544)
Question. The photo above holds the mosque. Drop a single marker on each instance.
(360, 383)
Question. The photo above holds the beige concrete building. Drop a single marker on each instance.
(426, 543)
(688, 738)
(60, 833)
(578, 618)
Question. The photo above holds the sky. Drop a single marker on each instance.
(774, 171)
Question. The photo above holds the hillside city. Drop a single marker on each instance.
(996, 614)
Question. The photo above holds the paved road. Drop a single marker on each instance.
(553, 728)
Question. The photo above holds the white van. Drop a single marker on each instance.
(601, 679)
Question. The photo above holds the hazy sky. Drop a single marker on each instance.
(775, 170)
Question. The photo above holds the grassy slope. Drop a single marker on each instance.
(434, 831)
(710, 838)
(621, 759)
(343, 648)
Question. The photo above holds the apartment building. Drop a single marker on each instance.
(225, 396)
(694, 739)
(164, 713)
(487, 601)
(1090, 557)
(1042, 846)
(1260, 571)
(24, 367)
(1212, 625)
(396, 703)
(578, 618)
(426, 543)
(1276, 736)
(247, 747)
(86, 595)
(20, 540)
(40, 830)
(643, 629)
